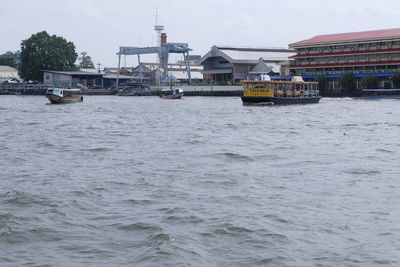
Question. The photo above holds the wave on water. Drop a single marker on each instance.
(363, 172)
(139, 226)
(98, 149)
(19, 198)
(235, 156)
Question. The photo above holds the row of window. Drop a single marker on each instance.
(283, 86)
(349, 47)
(340, 70)
(349, 59)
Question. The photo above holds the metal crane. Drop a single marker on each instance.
(163, 52)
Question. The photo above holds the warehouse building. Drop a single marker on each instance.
(225, 64)
(9, 75)
(374, 53)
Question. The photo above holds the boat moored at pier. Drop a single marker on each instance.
(62, 95)
(280, 92)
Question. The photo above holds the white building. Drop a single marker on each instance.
(9, 75)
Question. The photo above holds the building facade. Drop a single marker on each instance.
(70, 79)
(375, 53)
(225, 64)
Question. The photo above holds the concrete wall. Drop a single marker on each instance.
(188, 88)
(56, 79)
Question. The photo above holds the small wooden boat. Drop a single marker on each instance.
(61, 95)
(172, 94)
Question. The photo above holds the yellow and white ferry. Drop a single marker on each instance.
(280, 92)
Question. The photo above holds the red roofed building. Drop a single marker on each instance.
(370, 53)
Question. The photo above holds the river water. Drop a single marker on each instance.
(142, 181)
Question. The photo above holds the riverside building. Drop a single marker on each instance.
(375, 53)
(227, 64)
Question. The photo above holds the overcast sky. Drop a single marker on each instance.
(99, 27)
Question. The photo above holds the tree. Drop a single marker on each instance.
(369, 82)
(396, 80)
(387, 85)
(44, 52)
(85, 61)
(10, 59)
(348, 83)
(322, 84)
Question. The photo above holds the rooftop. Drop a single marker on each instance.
(248, 54)
(74, 73)
(7, 72)
(351, 36)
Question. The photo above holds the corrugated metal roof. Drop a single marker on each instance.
(251, 48)
(351, 36)
(123, 77)
(74, 73)
(248, 55)
(7, 72)
(182, 75)
(254, 56)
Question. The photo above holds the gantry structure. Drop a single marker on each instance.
(163, 52)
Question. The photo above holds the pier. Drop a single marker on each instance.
(40, 89)
(23, 89)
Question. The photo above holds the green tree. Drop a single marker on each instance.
(322, 84)
(387, 85)
(85, 61)
(396, 80)
(348, 83)
(369, 82)
(10, 59)
(44, 52)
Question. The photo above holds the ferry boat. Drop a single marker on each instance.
(381, 93)
(267, 92)
(61, 95)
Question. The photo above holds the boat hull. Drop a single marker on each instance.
(173, 96)
(55, 99)
(281, 100)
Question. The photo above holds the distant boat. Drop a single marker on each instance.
(176, 93)
(61, 95)
(172, 93)
(381, 93)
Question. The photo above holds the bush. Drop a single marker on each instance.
(387, 85)
(348, 83)
(322, 84)
(369, 82)
(396, 80)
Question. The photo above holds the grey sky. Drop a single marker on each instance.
(101, 26)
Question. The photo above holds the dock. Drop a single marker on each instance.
(23, 89)
(40, 89)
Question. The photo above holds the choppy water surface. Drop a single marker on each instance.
(198, 182)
